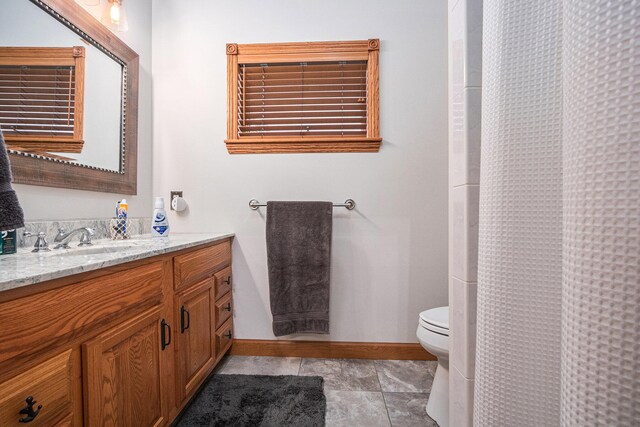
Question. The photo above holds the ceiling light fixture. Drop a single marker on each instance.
(116, 19)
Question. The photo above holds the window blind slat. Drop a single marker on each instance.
(305, 120)
(292, 115)
(305, 102)
(297, 80)
(352, 88)
(308, 106)
(36, 109)
(298, 133)
(310, 67)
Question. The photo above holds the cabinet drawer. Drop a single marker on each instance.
(224, 338)
(51, 385)
(194, 266)
(36, 322)
(223, 310)
(223, 282)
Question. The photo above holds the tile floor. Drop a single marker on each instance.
(367, 393)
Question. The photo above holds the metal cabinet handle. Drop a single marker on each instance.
(184, 326)
(164, 326)
(228, 307)
(228, 335)
(28, 411)
(227, 280)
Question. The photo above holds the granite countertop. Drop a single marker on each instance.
(27, 268)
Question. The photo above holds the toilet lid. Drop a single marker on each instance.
(432, 328)
(438, 317)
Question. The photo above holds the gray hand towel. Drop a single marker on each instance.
(299, 261)
(11, 215)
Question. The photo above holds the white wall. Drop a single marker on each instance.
(56, 203)
(390, 255)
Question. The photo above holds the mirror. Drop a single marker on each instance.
(68, 98)
(37, 102)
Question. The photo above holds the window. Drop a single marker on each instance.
(41, 98)
(303, 97)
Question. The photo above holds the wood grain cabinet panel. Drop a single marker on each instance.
(194, 266)
(195, 343)
(125, 372)
(223, 282)
(223, 310)
(50, 384)
(37, 322)
(224, 338)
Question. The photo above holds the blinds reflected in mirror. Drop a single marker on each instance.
(302, 99)
(41, 98)
(37, 101)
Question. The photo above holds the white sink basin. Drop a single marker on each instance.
(95, 249)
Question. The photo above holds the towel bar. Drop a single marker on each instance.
(349, 204)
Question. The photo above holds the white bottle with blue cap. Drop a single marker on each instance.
(159, 222)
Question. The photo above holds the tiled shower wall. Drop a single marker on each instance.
(465, 90)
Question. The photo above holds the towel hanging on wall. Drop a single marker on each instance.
(11, 215)
(299, 262)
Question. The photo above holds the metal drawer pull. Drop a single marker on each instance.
(228, 335)
(228, 307)
(28, 410)
(227, 280)
(163, 335)
(184, 326)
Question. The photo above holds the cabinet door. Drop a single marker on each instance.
(42, 395)
(125, 372)
(195, 343)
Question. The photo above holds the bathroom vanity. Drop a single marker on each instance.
(113, 337)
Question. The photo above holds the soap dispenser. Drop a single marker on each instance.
(159, 222)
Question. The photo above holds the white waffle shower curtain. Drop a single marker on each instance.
(559, 244)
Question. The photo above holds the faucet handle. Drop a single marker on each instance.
(85, 238)
(41, 244)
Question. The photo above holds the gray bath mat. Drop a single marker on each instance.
(257, 400)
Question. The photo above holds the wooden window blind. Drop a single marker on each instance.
(303, 97)
(41, 98)
(306, 99)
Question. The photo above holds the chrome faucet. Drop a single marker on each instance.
(41, 244)
(63, 238)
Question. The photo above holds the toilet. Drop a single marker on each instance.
(433, 334)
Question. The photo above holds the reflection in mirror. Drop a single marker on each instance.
(60, 96)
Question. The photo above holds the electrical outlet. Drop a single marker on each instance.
(174, 194)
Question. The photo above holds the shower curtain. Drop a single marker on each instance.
(559, 242)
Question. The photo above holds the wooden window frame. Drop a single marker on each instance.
(359, 50)
(52, 57)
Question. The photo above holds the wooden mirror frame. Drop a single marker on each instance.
(37, 170)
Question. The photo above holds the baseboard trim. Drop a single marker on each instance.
(330, 349)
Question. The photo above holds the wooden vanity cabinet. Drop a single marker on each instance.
(197, 278)
(127, 345)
